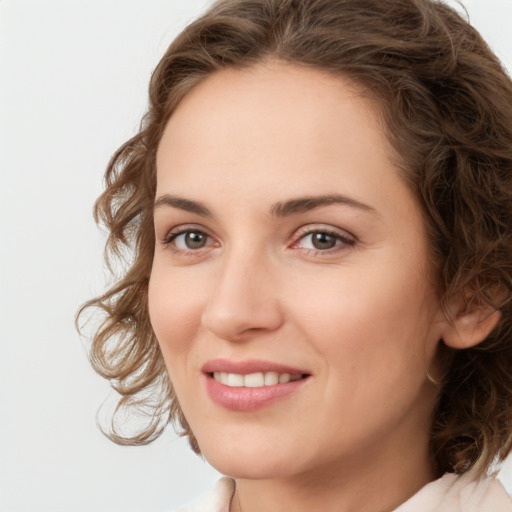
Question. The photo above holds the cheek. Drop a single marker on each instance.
(175, 310)
(373, 319)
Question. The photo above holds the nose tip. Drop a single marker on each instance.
(241, 304)
(232, 325)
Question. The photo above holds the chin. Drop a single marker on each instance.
(249, 461)
(241, 469)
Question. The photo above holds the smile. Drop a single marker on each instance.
(254, 380)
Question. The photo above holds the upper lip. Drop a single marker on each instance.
(249, 366)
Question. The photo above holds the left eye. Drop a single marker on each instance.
(322, 240)
(189, 240)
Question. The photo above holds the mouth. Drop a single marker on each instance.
(246, 386)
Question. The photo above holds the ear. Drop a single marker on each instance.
(471, 322)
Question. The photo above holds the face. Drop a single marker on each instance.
(290, 290)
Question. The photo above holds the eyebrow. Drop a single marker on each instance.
(182, 204)
(279, 209)
(304, 204)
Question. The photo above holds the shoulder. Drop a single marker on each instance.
(464, 493)
(215, 500)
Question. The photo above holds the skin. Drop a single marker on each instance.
(363, 317)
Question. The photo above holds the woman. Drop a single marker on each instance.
(319, 203)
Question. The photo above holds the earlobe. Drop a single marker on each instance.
(470, 325)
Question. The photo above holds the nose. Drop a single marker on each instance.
(245, 299)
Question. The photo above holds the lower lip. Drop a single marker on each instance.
(249, 399)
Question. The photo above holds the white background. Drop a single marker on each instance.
(73, 82)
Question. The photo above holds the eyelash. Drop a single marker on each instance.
(342, 241)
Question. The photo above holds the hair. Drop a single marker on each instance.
(446, 104)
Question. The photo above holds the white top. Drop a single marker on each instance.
(451, 493)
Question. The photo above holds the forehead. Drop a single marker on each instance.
(267, 119)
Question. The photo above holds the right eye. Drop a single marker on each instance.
(191, 240)
(188, 240)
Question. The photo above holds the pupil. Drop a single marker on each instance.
(195, 240)
(323, 241)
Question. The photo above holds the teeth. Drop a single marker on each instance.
(254, 380)
(234, 380)
(271, 378)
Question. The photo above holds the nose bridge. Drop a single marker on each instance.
(244, 297)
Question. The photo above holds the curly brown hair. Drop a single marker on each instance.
(446, 102)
